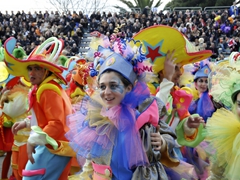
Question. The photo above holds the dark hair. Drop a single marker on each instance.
(234, 96)
(124, 80)
(49, 73)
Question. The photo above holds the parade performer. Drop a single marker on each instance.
(119, 114)
(13, 109)
(205, 106)
(6, 140)
(78, 89)
(160, 43)
(223, 127)
(47, 148)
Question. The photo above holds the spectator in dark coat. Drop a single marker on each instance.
(74, 49)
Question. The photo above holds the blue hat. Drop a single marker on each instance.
(202, 72)
(117, 63)
(122, 56)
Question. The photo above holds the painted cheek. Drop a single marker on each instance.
(118, 89)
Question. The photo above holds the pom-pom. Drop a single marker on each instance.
(62, 59)
(128, 49)
(19, 53)
(93, 72)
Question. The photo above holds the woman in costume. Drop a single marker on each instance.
(205, 106)
(118, 110)
(223, 127)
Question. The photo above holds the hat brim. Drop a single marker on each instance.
(4, 74)
(19, 67)
(158, 40)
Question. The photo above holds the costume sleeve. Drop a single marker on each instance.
(38, 137)
(165, 88)
(187, 136)
(168, 157)
(52, 105)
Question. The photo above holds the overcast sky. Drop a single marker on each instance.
(43, 5)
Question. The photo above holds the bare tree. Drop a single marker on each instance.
(86, 6)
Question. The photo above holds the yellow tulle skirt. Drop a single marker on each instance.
(223, 134)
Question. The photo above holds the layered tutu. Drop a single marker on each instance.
(93, 135)
(81, 105)
(223, 133)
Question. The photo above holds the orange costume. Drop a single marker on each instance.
(49, 105)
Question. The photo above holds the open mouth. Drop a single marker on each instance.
(109, 99)
(32, 79)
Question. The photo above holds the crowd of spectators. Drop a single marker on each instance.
(216, 30)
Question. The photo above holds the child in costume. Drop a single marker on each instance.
(108, 136)
(48, 151)
(168, 50)
(223, 127)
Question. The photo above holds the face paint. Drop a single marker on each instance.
(112, 90)
(115, 85)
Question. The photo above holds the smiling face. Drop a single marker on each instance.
(112, 89)
(36, 74)
(201, 84)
